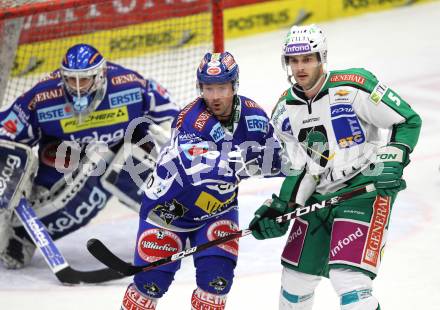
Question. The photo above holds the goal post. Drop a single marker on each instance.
(162, 40)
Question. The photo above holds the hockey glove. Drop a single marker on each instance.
(392, 158)
(263, 225)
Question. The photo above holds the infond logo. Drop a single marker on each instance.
(297, 48)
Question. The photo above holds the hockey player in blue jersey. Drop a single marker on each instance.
(217, 140)
(87, 118)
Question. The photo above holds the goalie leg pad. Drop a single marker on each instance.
(215, 274)
(15, 252)
(354, 289)
(74, 199)
(62, 219)
(135, 299)
(153, 283)
(297, 290)
(202, 300)
(18, 164)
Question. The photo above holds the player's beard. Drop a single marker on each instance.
(223, 113)
(313, 80)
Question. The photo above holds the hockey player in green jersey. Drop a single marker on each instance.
(341, 130)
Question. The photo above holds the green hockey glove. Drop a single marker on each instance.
(263, 225)
(394, 158)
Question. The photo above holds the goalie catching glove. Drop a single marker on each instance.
(391, 160)
(264, 225)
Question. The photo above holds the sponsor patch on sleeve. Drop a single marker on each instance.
(377, 93)
(11, 126)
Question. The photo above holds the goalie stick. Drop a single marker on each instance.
(105, 256)
(56, 261)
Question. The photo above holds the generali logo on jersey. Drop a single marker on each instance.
(45, 95)
(348, 78)
(376, 231)
(127, 78)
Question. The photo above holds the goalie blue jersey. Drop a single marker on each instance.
(196, 175)
(44, 116)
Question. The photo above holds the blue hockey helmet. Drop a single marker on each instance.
(83, 71)
(218, 68)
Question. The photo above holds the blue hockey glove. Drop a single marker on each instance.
(394, 158)
(263, 225)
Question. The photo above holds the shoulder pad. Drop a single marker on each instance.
(249, 103)
(356, 77)
(119, 75)
(179, 121)
(284, 97)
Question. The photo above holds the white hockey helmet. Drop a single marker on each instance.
(302, 40)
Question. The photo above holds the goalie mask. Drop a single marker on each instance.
(217, 68)
(83, 71)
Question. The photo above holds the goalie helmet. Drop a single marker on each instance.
(305, 40)
(83, 71)
(218, 68)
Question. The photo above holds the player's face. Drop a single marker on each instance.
(81, 84)
(306, 69)
(219, 99)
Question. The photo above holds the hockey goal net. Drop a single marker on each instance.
(161, 39)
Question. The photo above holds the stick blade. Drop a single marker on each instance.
(69, 275)
(105, 256)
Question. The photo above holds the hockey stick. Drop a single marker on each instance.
(105, 256)
(56, 261)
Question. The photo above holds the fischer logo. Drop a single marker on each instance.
(12, 163)
(297, 48)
